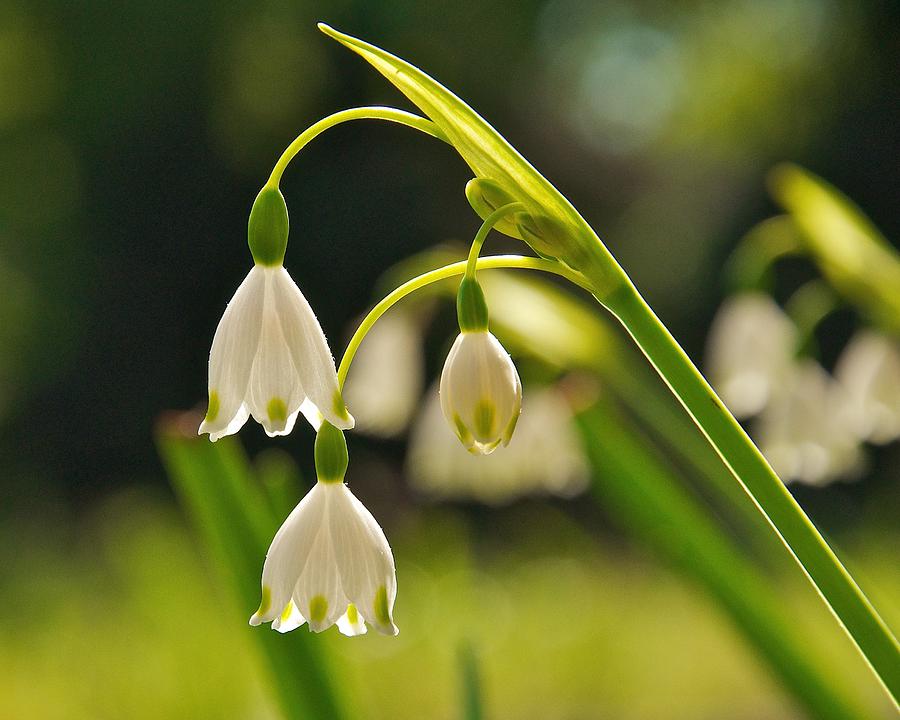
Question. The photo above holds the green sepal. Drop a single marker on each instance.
(331, 454)
(267, 229)
(471, 307)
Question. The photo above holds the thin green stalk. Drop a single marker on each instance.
(471, 683)
(448, 271)
(483, 232)
(851, 607)
(362, 113)
(640, 487)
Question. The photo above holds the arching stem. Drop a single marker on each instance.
(483, 231)
(362, 113)
(442, 273)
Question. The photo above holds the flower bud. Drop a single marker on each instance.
(481, 394)
(267, 229)
(485, 196)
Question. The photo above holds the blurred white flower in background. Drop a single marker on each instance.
(387, 376)
(544, 457)
(749, 352)
(869, 371)
(806, 431)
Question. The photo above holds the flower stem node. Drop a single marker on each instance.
(330, 562)
(331, 454)
(267, 229)
(481, 394)
(471, 307)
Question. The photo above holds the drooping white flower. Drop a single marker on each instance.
(270, 359)
(749, 352)
(387, 375)
(869, 370)
(481, 394)
(806, 431)
(330, 561)
(544, 457)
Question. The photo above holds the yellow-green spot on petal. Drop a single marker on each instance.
(286, 613)
(510, 429)
(382, 614)
(352, 614)
(485, 414)
(318, 608)
(266, 601)
(277, 410)
(212, 412)
(337, 404)
(462, 432)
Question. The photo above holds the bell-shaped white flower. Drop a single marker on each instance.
(749, 352)
(481, 394)
(869, 371)
(270, 359)
(544, 457)
(330, 561)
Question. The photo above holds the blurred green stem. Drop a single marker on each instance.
(483, 232)
(362, 113)
(749, 467)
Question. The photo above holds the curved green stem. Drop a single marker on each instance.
(847, 601)
(483, 232)
(810, 304)
(362, 113)
(448, 271)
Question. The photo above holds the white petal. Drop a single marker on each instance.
(274, 394)
(318, 593)
(364, 560)
(231, 357)
(288, 554)
(309, 350)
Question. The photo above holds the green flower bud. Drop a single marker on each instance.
(485, 196)
(331, 454)
(471, 307)
(267, 229)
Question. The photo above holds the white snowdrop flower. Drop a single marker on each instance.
(330, 562)
(544, 457)
(869, 370)
(481, 394)
(806, 431)
(387, 376)
(749, 351)
(269, 356)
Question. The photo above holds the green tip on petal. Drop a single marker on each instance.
(318, 608)
(286, 613)
(382, 614)
(212, 412)
(462, 432)
(352, 614)
(266, 601)
(485, 414)
(277, 410)
(267, 229)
